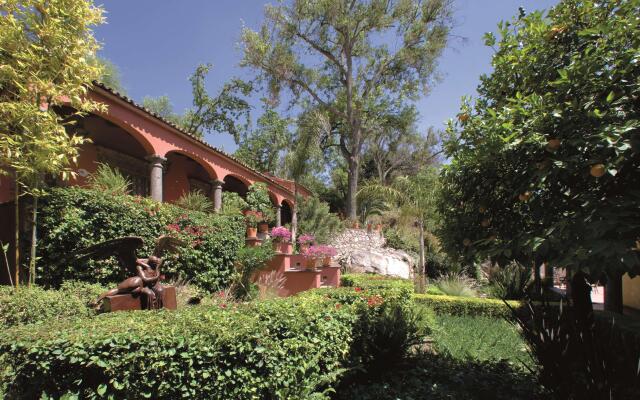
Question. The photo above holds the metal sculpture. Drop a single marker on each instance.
(146, 281)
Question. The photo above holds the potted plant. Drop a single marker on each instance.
(258, 200)
(311, 256)
(327, 253)
(281, 237)
(305, 241)
(252, 218)
(369, 227)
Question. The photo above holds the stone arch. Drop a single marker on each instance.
(286, 212)
(139, 136)
(236, 183)
(185, 172)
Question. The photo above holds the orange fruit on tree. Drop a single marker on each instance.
(597, 170)
(524, 196)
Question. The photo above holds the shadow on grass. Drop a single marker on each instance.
(431, 376)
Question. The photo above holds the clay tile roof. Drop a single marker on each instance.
(268, 177)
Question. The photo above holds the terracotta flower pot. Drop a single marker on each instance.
(326, 261)
(282, 247)
(310, 263)
(251, 232)
(263, 227)
(378, 227)
(369, 227)
(303, 247)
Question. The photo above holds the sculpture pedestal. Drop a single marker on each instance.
(125, 302)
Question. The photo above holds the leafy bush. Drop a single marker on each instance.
(373, 281)
(109, 180)
(35, 305)
(195, 201)
(472, 306)
(250, 260)
(258, 200)
(509, 282)
(456, 284)
(314, 218)
(292, 348)
(74, 218)
(233, 203)
(598, 359)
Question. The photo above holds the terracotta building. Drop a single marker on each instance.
(159, 159)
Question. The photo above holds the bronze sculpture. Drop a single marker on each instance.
(146, 282)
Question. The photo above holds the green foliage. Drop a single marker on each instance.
(195, 201)
(35, 305)
(109, 180)
(110, 75)
(250, 260)
(262, 147)
(314, 218)
(439, 377)
(74, 218)
(545, 163)
(373, 281)
(456, 284)
(233, 203)
(471, 306)
(162, 107)
(258, 200)
(597, 360)
(510, 282)
(479, 338)
(294, 348)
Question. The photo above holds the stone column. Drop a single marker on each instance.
(217, 194)
(155, 178)
(279, 215)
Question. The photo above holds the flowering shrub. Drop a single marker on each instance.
(306, 239)
(321, 251)
(280, 234)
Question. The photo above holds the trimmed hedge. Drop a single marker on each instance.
(374, 281)
(74, 218)
(471, 306)
(293, 348)
(36, 305)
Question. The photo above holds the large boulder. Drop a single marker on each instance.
(359, 251)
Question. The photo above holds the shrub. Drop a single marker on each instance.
(109, 180)
(258, 200)
(290, 348)
(472, 306)
(249, 260)
(509, 282)
(233, 203)
(373, 281)
(195, 201)
(74, 218)
(35, 305)
(594, 360)
(314, 218)
(456, 284)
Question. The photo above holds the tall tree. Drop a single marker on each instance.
(397, 148)
(46, 47)
(546, 163)
(333, 53)
(263, 147)
(162, 107)
(110, 74)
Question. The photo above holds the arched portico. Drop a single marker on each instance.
(184, 173)
(286, 212)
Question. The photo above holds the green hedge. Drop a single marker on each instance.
(37, 305)
(290, 348)
(471, 306)
(74, 218)
(374, 281)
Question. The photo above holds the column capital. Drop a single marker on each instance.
(156, 159)
(217, 183)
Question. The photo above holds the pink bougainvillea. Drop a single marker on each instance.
(306, 238)
(281, 234)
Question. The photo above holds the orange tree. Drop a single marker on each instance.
(545, 163)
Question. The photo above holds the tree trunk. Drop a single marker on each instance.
(16, 243)
(613, 293)
(420, 287)
(34, 242)
(352, 189)
(294, 213)
(581, 298)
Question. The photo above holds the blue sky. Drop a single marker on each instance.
(157, 45)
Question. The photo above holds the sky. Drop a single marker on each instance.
(157, 44)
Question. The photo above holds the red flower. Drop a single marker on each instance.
(223, 305)
(338, 306)
(358, 289)
(374, 301)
